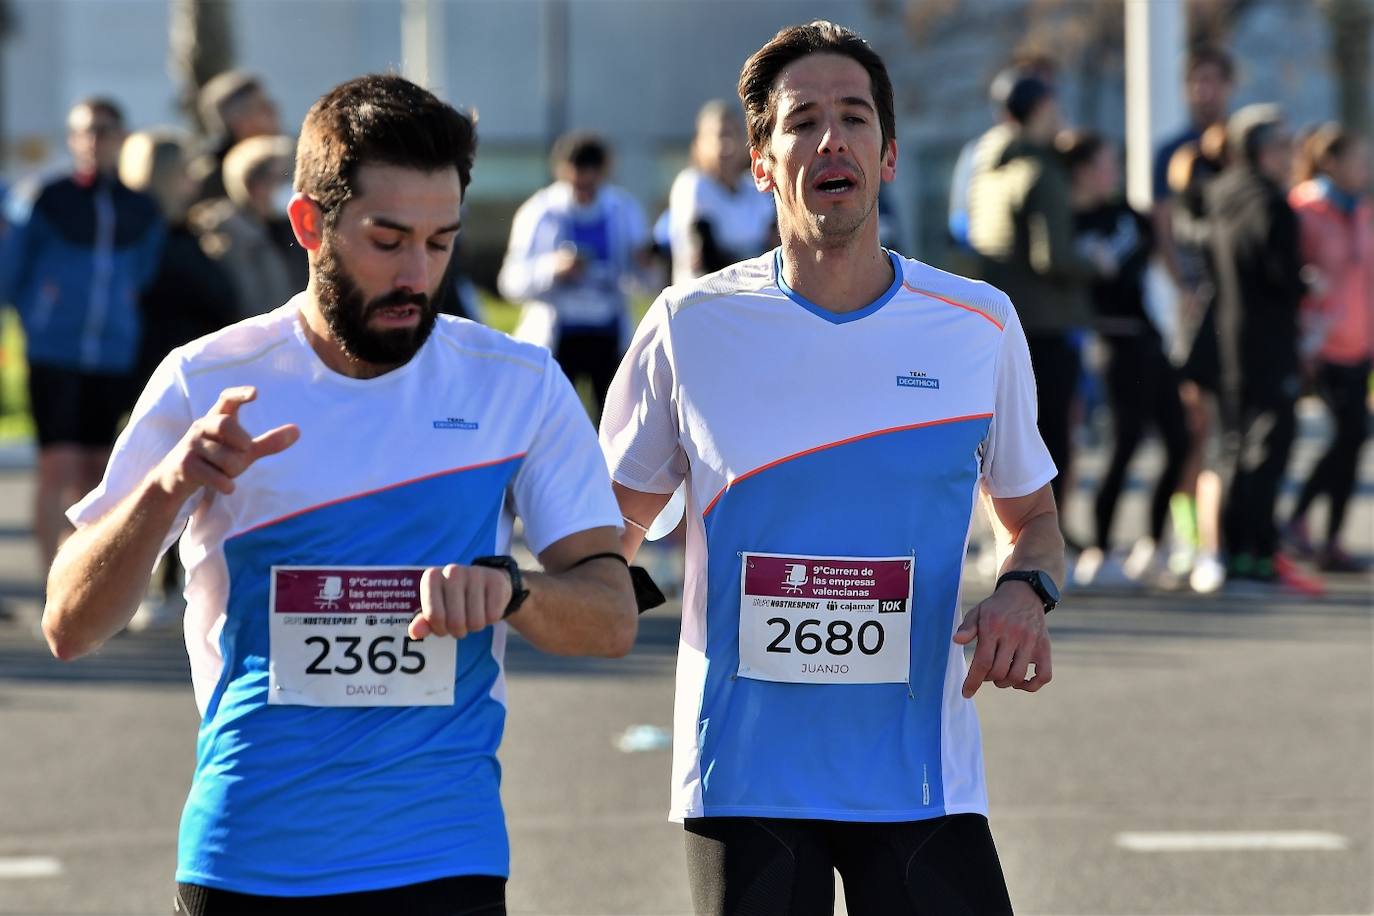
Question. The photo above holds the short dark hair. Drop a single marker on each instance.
(1210, 55)
(1322, 144)
(1078, 148)
(580, 149)
(379, 119)
(221, 93)
(101, 104)
(760, 74)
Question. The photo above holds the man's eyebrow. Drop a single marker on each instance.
(857, 100)
(850, 100)
(383, 223)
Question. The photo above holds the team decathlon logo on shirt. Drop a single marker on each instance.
(455, 423)
(917, 380)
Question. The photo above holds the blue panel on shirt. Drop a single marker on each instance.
(865, 752)
(304, 800)
(592, 237)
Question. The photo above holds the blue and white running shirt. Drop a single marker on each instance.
(832, 464)
(336, 755)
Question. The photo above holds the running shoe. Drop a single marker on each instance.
(1296, 579)
(1335, 560)
(1297, 539)
(1207, 575)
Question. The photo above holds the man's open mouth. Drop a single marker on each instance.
(834, 184)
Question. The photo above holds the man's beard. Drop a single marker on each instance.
(341, 303)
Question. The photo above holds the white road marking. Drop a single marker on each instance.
(13, 867)
(1232, 840)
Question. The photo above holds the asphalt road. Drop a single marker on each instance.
(1175, 725)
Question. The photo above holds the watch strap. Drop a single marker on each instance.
(1031, 577)
(518, 592)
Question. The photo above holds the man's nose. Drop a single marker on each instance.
(414, 272)
(833, 140)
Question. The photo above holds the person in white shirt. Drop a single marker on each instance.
(574, 248)
(344, 474)
(715, 214)
(836, 412)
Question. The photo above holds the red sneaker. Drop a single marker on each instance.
(1294, 578)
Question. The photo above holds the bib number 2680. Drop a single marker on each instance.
(839, 637)
(379, 656)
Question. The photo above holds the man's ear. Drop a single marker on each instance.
(307, 221)
(761, 167)
(888, 172)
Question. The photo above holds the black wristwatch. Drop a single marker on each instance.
(1039, 581)
(518, 592)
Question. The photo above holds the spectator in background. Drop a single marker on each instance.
(1209, 78)
(1196, 506)
(716, 215)
(1142, 385)
(1021, 226)
(573, 248)
(190, 296)
(995, 139)
(80, 249)
(234, 106)
(1258, 269)
(1337, 230)
(236, 229)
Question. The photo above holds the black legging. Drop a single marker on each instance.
(466, 895)
(1142, 387)
(1056, 363)
(1257, 454)
(591, 353)
(746, 866)
(1345, 390)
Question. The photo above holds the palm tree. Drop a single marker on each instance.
(202, 45)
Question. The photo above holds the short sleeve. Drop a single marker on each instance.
(1015, 460)
(639, 429)
(159, 420)
(562, 487)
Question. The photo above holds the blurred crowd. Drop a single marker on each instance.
(1250, 283)
(1263, 238)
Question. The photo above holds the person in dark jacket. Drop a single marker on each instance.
(234, 106)
(1142, 385)
(79, 250)
(1021, 226)
(1257, 264)
(189, 297)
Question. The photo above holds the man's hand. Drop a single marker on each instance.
(458, 600)
(1012, 635)
(567, 265)
(216, 448)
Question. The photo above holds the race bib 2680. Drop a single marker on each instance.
(825, 620)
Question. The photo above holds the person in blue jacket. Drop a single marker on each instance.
(78, 250)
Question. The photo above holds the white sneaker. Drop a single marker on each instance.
(1142, 559)
(1089, 564)
(158, 613)
(1208, 574)
(1096, 569)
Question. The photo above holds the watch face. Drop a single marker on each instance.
(1046, 583)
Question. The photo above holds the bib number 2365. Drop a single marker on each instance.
(338, 638)
(825, 620)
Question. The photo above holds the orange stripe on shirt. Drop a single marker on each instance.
(390, 486)
(820, 448)
(958, 305)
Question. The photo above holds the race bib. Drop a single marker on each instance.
(338, 638)
(825, 620)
